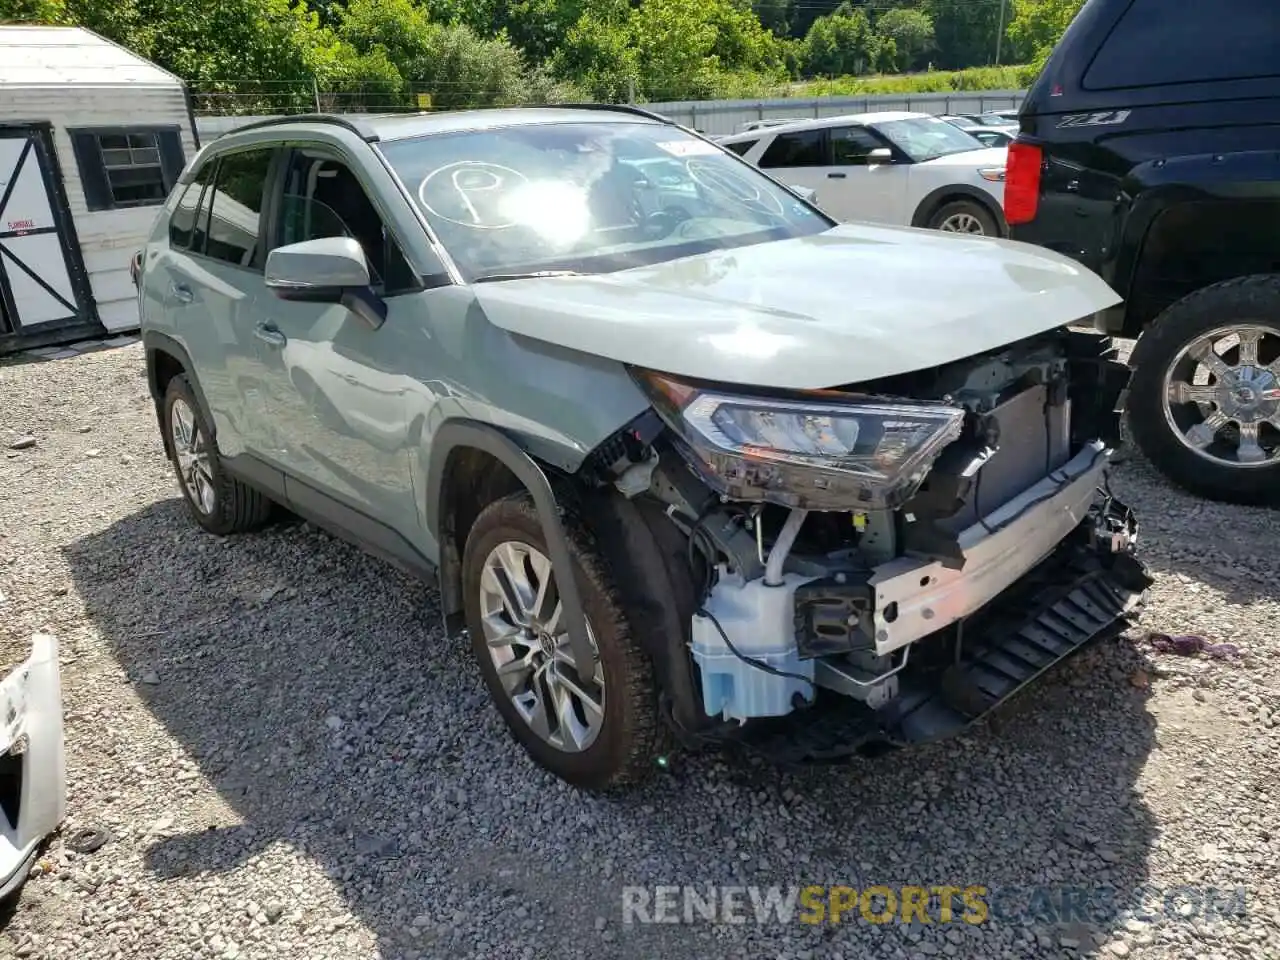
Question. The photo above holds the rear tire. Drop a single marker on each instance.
(627, 735)
(217, 501)
(1160, 415)
(967, 217)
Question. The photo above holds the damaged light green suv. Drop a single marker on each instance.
(692, 463)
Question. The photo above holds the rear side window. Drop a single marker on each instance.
(1158, 42)
(805, 148)
(741, 147)
(182, 224)
(231, 214)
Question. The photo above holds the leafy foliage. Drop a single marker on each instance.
(912, 34)
(1037, 25)
(276, 55)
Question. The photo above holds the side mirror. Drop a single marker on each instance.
(805, 193)
(879, 155)
(328, 270)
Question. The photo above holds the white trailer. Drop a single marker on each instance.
(92, 138)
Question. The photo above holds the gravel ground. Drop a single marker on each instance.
(292, 760)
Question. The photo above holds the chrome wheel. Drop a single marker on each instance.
(962, 223)
(520, 614)
(191, 450)
(1222, 400)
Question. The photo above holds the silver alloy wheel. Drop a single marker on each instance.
(962, 223)
(192, 453)
(1221, 401)
(520, 613)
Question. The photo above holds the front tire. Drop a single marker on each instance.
(1204, 400)
(217, 501)
(966, 217)
(598, 734)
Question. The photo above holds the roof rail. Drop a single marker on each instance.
(362, 131)
(620, 107)
(365, 132)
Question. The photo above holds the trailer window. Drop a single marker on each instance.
(123, 167)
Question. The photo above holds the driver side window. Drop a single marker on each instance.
(323, 198)
(851, 146)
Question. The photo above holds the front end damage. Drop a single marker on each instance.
(33, 791)
(883, 563)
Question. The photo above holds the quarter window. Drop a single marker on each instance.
(804, 148)
(123, 167)
(230, 218)
(182, 224)
(742, 147)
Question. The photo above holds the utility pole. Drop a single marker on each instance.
(1000, 31)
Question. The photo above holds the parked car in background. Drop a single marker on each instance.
(1149, 155)
(693, 464)
(910, 169)
(765, 124)
(987, 135)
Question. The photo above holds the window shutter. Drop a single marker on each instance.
(93, 175)
(172, 159)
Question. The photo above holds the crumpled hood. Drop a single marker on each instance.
(855, 303)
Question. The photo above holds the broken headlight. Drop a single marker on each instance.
(820, 451)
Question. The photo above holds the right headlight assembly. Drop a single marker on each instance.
(820, 453)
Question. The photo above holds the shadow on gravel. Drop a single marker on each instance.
(1227, 547)
(314, 688)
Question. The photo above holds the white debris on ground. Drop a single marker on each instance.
(277, 753)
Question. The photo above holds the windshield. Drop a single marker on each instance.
(927, 138)
(589, 197)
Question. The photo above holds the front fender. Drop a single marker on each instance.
(469, 434)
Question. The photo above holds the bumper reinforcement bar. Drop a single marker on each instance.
(1077, 595)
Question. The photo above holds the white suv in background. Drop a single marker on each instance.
(910, 169)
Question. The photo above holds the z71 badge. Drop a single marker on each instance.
(1106, 118)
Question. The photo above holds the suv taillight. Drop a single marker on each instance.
(1022, 182)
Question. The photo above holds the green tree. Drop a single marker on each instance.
(912, 34)
(596, 53)
(1038, 25)
(843, 43)
(965, 31)
(32, 11)
(449, 62)
(775, 16)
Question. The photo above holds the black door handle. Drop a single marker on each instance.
(837, 176)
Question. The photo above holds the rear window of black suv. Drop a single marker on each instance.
(1167, 42)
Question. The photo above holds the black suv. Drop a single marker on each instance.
(1149, 150)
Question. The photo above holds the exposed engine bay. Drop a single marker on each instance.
(883, 562)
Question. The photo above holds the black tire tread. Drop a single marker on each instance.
(1256, 296)
(238, 507)
(643, 734)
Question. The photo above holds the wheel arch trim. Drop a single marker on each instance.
(462, 434)
(154, 343)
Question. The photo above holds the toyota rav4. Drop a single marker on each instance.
(691, 463)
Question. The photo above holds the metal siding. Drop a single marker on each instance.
(108, 238)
